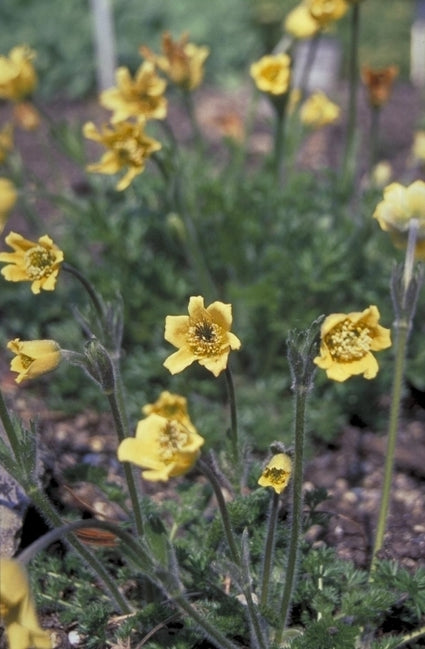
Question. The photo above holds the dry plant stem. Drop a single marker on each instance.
(233, 415)
(269, 548)
(409, 637)
(116, 404)
(349, 152)
(402, 329)
(301, 394)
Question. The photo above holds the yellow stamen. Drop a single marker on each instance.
(205, 338)
(39, 262)
(348, 341)
(172, 440)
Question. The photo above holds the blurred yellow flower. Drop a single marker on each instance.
(8, 197)
(141, 97)
(318, 111)
(26, 116)
(379, 83)
(170, 406)
(128, 147)
(17, 608)
(272, 73)
(164, 448)
(277, 473)
(6, 141)
(182, 62)
(36, 262)
(33, 357)
(299, 22)
(18, 78)
(381, 174)
(347, 343)
(204, 336)
(418, 148)
(400, 205)
(327, 11)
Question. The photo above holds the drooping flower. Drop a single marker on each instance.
(182, 62)
(128, 148)
(347, 343)
(400, 205)
(318, 111)
(6, 141)
(379, 83)
(164, 448)
(327, 11)
(277, 473)
(272, 73)
(33, 358)
(170, 406)
(8, 196)
(204, 336)
(299, 22)
(18, 78)
(17, 608)
(36, 262)
(141, 97)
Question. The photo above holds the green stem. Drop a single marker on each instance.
(121, 426)
(374, 136)
(9, 428)
(349, 152)
(280, 105)
(93, 294)
(301, 394)
(233, 415)
(210, 630)
(44, 506)
(190, 108)
(269, 548)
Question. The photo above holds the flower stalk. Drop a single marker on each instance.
(269, 548)
(348, 166)
(234, 435)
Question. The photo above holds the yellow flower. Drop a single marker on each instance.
(6, 141)
(8, 196)
(418, 148)
(128, 147)
(327, 11)
(36, 262)
(318, 111)
(182, 62)
(26, 116)
(272, 73)
(164, 448)
(400, 205)
(141, 97)
(277, 473)
(204, 336)
(347, 343)
(17, 608)
(17, 74)
(379, 83)
(33, 358)
(170, 406)
(299, 23)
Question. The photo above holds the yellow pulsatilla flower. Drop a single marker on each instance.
(141, 97)
(182, 62)
(128, 148)
(6, 141)
(327, 11)
(400, 205)
(36, 262)
(318, 111)
(379, 83)
(277, 473)
(18, 78)
(204, 336)
(8, 196)
(26, 116)
(299, 22)
(164, 448)
(33, 358)
(170, 406)
(272, 73)
(347, 343)
(418, 148)
(17, 608)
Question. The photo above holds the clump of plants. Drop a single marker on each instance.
(222, 558)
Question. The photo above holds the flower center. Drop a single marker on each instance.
(348, 341)
(205, 338)
(272, 72)
(276, 476)
(39, 262)
(172, 440)
(26, 360)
